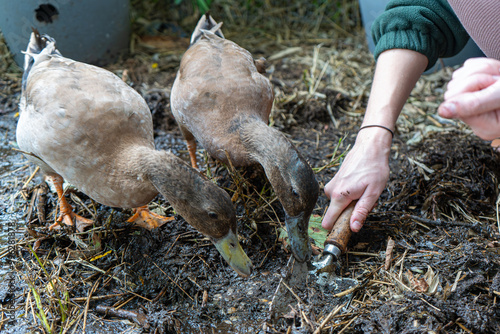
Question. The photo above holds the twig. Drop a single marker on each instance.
(124, 303)
(306, 319)
(4, 251)
(363, 254)
(388, 253)
(401, 262)
(293, 293)
(401, 284)
(463, 327)
(274, 296)
(83, 299)
(32, 311)
(492, 291)
(330, 113)
(457, 278)
(79, 201)
(498, 215)
(76, 322)
(31, 176)
(348, 324)
(265, 257)
(137, 295)
(437, 222)
(329, 317)
(137, 317)
(346, 292)
(170, 248)
(434, 307)
(187, 294)
(318, 80)
(92, 290)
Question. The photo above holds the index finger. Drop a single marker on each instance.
(335, 208)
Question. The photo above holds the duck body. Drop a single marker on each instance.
(81, 121)
(83, 124)
(218, 88)
(221, 99)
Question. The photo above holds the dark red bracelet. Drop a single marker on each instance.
(377, 126)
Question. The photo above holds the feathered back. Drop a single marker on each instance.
(39, 46)
(206, 22)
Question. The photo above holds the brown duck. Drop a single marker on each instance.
(221, 99)
(83, 124)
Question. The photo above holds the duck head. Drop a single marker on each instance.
(297, 189)
(204, 206)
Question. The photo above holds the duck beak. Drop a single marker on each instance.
(297, 235)
(230, 249)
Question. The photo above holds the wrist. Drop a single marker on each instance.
(375, 137)
(378, 126)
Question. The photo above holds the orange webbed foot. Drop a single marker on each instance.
(67, 215)
(68, 218)
(147, 219)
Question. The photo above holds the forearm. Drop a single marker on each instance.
(396, 73)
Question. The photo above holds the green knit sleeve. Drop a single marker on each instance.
(426, 26)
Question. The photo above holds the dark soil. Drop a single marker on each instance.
(442, 217)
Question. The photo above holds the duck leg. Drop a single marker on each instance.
(67, 216)
(147, 219)
(191, 145)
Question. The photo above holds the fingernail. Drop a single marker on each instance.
(356, 226)
(326, 225)
(450, 110)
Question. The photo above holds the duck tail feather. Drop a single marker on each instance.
(206, 23)
(39, 47)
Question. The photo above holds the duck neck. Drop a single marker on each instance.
(284, 166)
(170, 175)
(266, 145)
(279, 158)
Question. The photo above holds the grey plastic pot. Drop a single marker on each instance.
(371, 9)
(92, 31)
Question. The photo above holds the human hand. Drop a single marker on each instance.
(363, 175)
(473, 96)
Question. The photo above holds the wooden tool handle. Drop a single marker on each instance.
(341, 231)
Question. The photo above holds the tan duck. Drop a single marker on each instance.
(221, 99)
(83, 124)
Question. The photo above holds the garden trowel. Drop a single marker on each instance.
(335, 245)
(336, 242)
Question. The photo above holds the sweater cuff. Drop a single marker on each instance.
(411, 40)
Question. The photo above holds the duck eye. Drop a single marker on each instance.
(295, 193)
(232, 245)
(212, 215)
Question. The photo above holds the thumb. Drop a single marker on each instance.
(471, 104)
